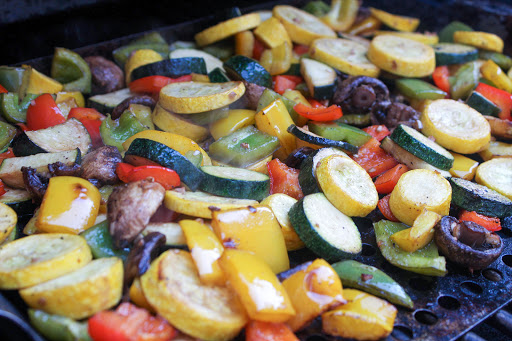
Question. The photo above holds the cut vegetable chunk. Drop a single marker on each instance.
(397, 22)
(320, 78)
(448, 54)
(227, 28)
(177, 124)
(482, 40)
(8, 220)
(211, 61)
(497, 175)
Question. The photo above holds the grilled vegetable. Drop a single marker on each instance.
(227, 28)
(496, 174)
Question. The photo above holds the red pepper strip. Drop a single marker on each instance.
(385, 209)
(91, 119)
(319, 114)
(378, 132)
(166, 177)
(129, 323)
(284, 179)
(43, 113)
(2, 189)
(387, 180)
(258, 49)
(490, 223)
(315, 104)
(300, 49)
(22, 126)
(374, 159)
(268, 331)
(441, 78)
(499, 97)
(3, 90)
(153, 84)
(285, 82)
(6, 155)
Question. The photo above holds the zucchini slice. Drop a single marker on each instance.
(419, 145)
(227, 28)
(165, 156)
(482, 40)
(324, 229)
(178, 124)
(481, 104)
(218, 75)
(448, 54)
(497, 175)
(8, 221)
(244, 68)
(173, 68)
(212, 62)
(10, 169)
(312, 138)
(479, 198)
(408, 159)
(107, 102)
(235, 182)
(61, 137)
(320, 78)
(19, 200)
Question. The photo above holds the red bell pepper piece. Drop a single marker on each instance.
(129, 323)
(6, 155)
(166, 177)
(43, 113)
(441, 78)
(378, 132)
(319, 114)
(286, 82)
(374, 159)
(490, 223)
(499, 97)
(315, 104)
(153, 84)
(300, 49)
(91, 119)
(2, 189)
(284, 179)
(268, 331)
(387, 180)
(3, 90)
(384, 208)
(258, 49)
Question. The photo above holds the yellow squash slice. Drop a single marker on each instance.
(496, 149)
(172, 287)
(196, 97)
(174, 123)
(419, 235)
(425, 38)
(345, 55)
(402, 56)
(244, 43)
(272, 33)
(456, 126)
(481, 40)
(81, 293)
(491, 71)
(302, 27)
(227, 28)
(497, 175)
(8, 220)
(139, 58)
(397, 22)
(41, 257)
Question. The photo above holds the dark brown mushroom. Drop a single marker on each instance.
(359, 94)
(138, 99)
(467, 243)
(99, 166)
(296, 157)
(35, 183)
(250, 98)
(61, 169)
(106, 75)
(393, 114)
(130, 207)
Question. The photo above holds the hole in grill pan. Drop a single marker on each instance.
(316, 337)
(402, 333)
(493, 275)
(507, 259)
(471, 288)
(368, 250)
(421, 283)
(425, 317)
(448, 302)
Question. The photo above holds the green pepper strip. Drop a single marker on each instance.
(58, 328)
(115, 132)
(464, 81)
(11, 108)
(72, 70)
(100, 241)
(7, 133)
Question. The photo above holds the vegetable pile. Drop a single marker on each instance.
(158, 194)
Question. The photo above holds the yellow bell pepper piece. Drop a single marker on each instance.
(364, 317)
(420, 234)
(274, 120)
(70, 205)
(205, 249)
(258, 288)
(76, 95)
(236, 119)
(137, 296)
(244, 43)
(297, 97)
(463, 167)
(39, 83)
(397, 22)
(272, 33)
(491, 71)
(342, 15)
(496, 149)
(253, 229)
(313, 291)
(278, 59)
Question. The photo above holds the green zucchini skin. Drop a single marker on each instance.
(474, 197)
(244, 68)
(413, 145)
(231, 187)
(218, 76)
(173, 68)
(19, 200)
(23, 146)
(448, 53)
(307, 180)
(105, 103)
(165, 156)
(482, 104)
(321, 141)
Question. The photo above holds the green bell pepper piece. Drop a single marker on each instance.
(7, 133)
(338, 131)
(372, 280)
(142, 114)
(149, 38)
(15, 79)
(58, 328)
(268, 96)
(418, 89)
(317, 8)
(425, 261)
(115, 132)
(464, 81)
(243, 147)
(504, 62)
(100, 241)
(12, 109)
(71, 70)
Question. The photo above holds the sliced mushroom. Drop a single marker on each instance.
(358, 94)
(393, 114)
(501, 129)
(138, 99)
(250, 98)
(60, 169)
(99, 166)
(467, 243)
(130, 208)
(35, 183)
(296, 157)
(106, 75)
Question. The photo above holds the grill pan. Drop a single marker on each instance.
(445, 308)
